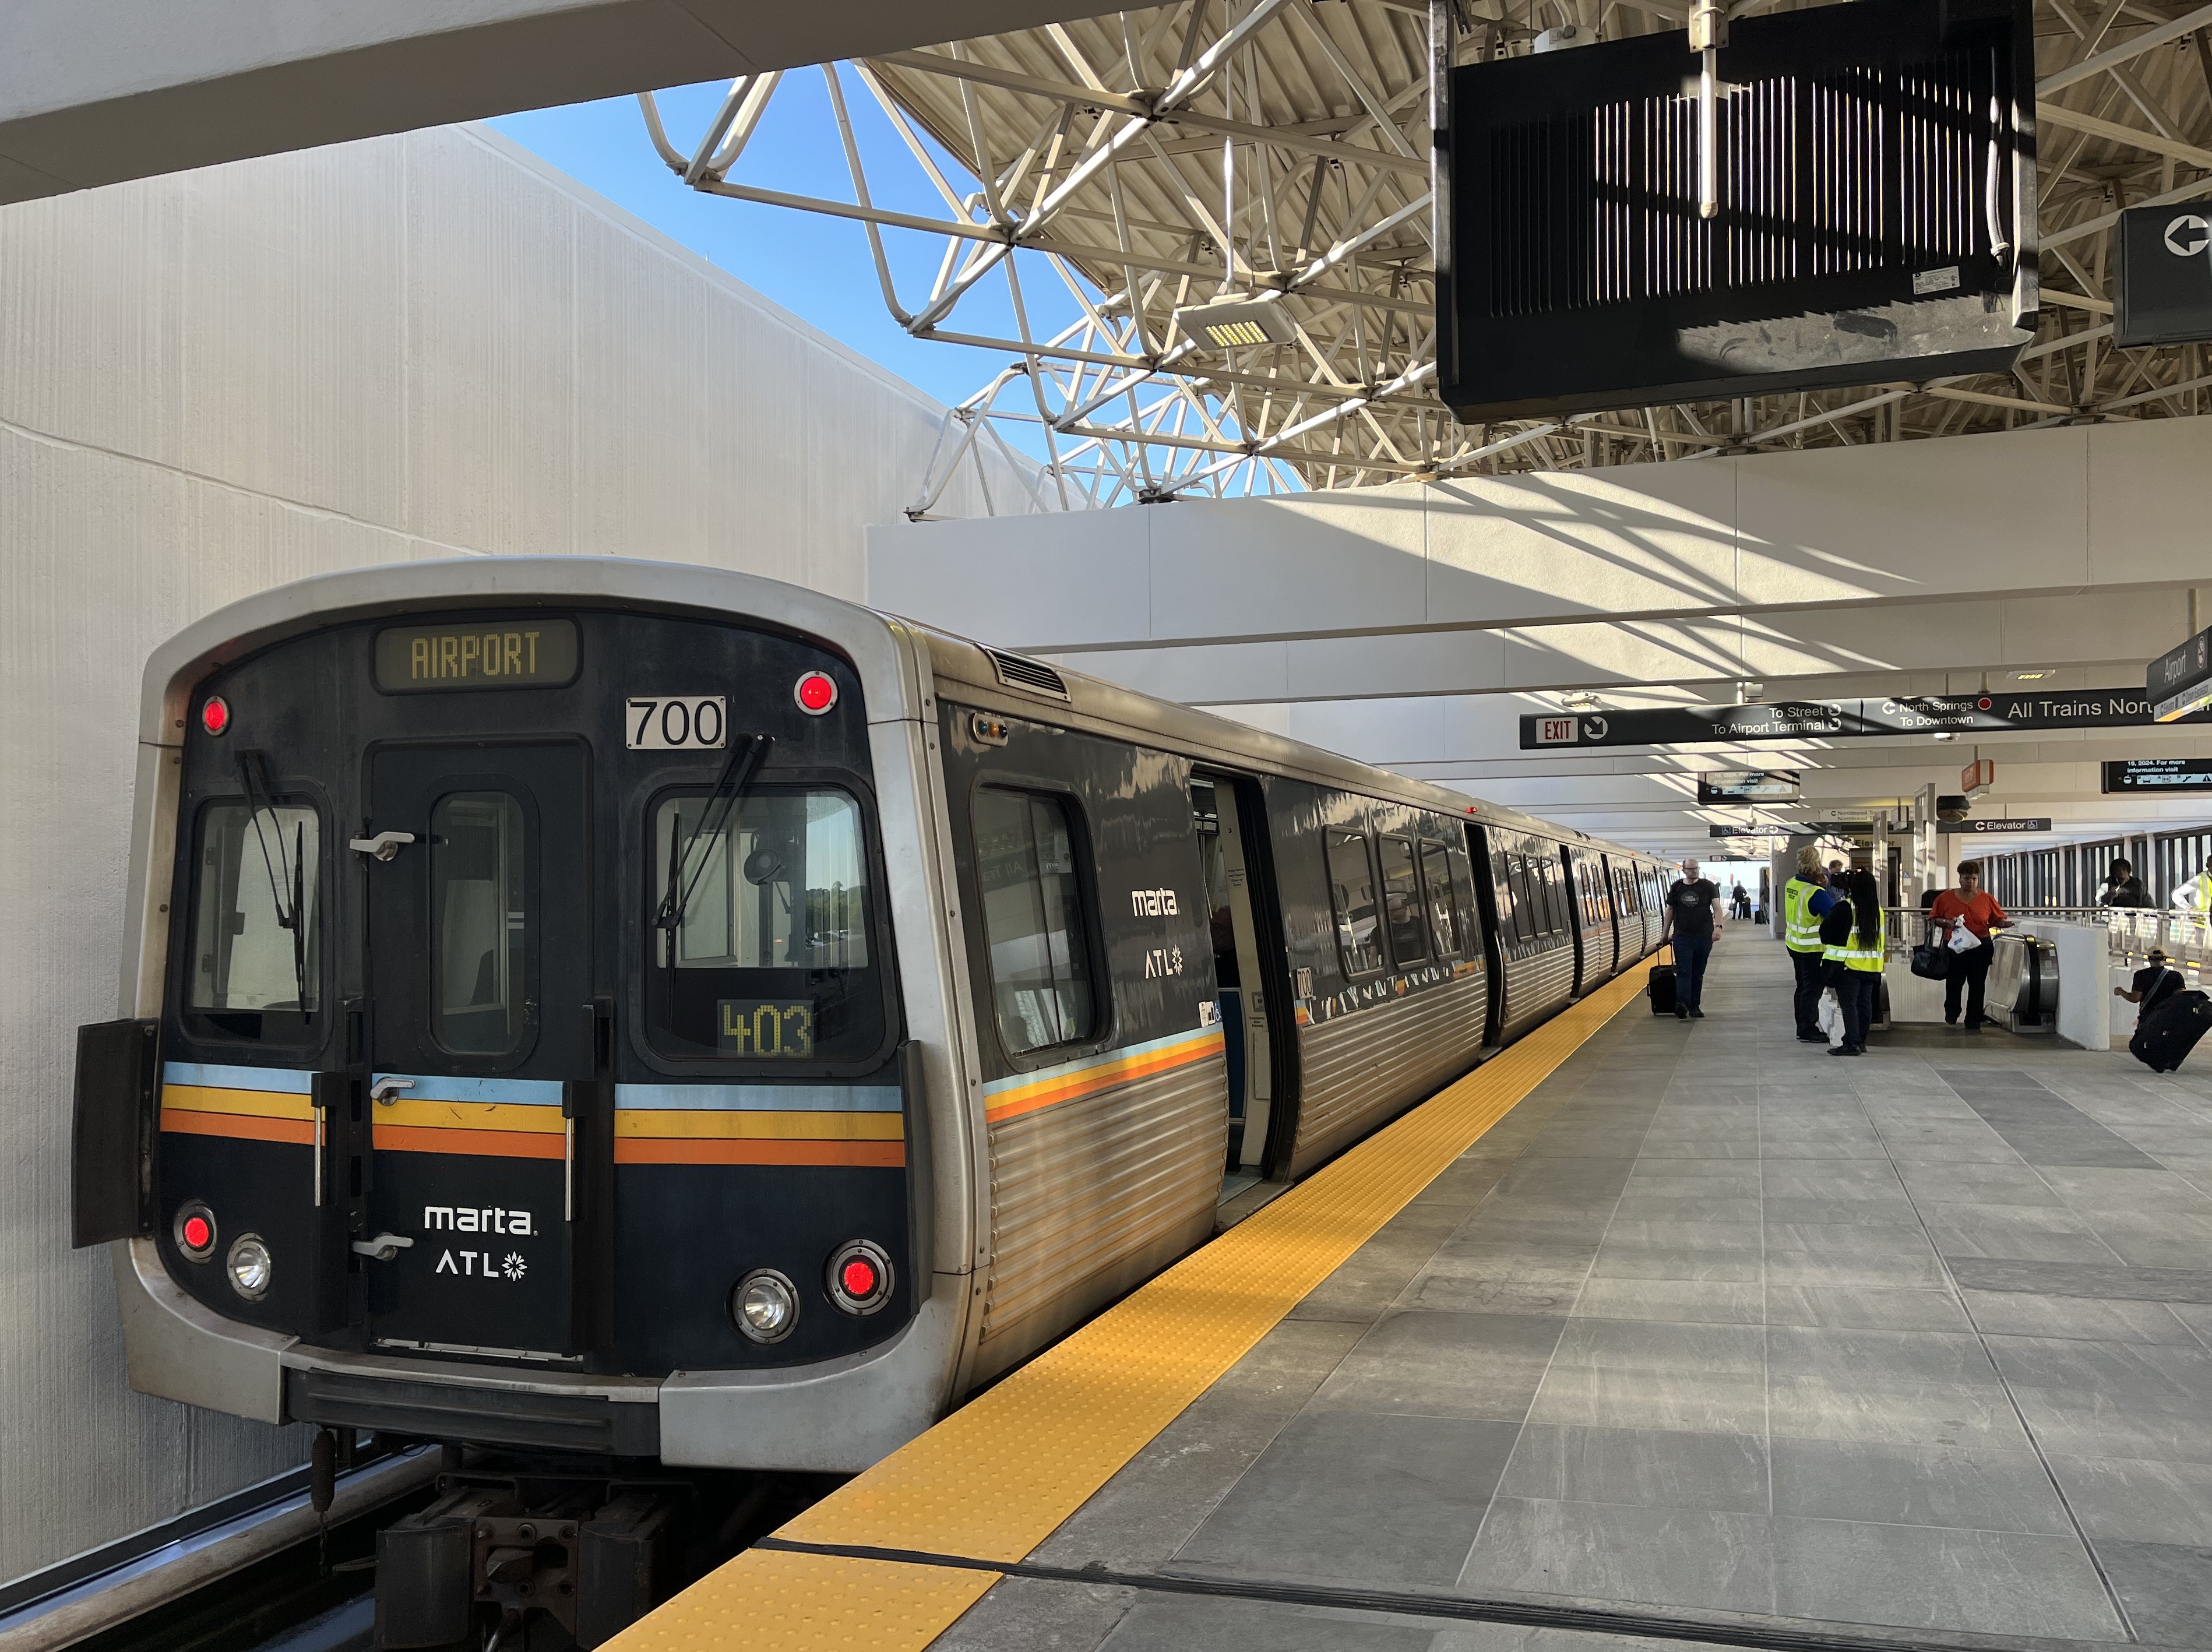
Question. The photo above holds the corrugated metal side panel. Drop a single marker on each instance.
(1598, 960)
(1361, 1069)
(1077, 1187)
(1537, 986)
(1635, 936)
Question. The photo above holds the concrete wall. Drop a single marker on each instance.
(222, 380)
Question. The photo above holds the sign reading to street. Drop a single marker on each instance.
(2030, 823)
(1924, 713)
(2159, 775)
(2164, 290)
(1748, 785)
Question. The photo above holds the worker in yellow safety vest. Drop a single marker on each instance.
(1805, 901)
(2196, 894)
(1855, 938)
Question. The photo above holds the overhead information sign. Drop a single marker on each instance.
(2179, 681)
(1801, 720)
(2164, 284)
(2159, 775)
(2030, 823)
(1748, 785)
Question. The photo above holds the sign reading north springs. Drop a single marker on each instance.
(1926, 713)
(509, 653)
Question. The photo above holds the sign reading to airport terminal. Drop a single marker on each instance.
(1724, 785)
(2159, 775)
(2028, 824)
(2179, 681)
(1799, 720)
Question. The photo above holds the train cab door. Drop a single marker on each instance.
(1227, 812)
(488, 1111)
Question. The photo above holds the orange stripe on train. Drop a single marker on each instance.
(1104, 1076)
(241, 1126)
(482, 1144)
(706, 1150)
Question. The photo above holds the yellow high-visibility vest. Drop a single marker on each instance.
(1801, 930)
(1852, 956)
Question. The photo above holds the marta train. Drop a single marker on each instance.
(623, 1019)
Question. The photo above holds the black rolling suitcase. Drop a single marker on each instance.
(1661, 988)
(2163, 1042)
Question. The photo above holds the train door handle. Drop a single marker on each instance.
(385, 1092)
(382, 847)
(383, 1246)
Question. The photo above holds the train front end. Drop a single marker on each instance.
(514, 1051)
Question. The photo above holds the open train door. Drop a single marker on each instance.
(1260, 1035)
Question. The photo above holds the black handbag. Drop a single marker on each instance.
(1929, 962)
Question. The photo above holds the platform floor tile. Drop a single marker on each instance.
(1914, 1348)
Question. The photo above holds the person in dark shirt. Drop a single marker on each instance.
(2121, 888)
(2152, 986)
(1693, 920)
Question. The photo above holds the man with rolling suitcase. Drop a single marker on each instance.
(2165, 1036)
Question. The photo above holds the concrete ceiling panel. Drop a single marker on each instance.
(1633, 538)
(1901, 521)
(1297, 564)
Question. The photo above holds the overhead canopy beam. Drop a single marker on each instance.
(98, 91)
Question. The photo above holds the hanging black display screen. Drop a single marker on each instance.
(2159, 775)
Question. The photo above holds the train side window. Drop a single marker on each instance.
(1443, 914)
(479, 924)
(1402, 901)
(1033, 917)
(772, 956)
(1352, 893)
(1528, 920)
(254, 966)
(1555, 893)
(1462, 888)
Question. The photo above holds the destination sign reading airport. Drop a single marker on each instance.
(1799, 720)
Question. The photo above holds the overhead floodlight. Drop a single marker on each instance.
(1225, 322)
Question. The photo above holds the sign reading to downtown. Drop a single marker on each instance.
(1799, 720)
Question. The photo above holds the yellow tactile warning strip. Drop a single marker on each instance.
(998, 1477)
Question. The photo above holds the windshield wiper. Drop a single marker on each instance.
(253, 766)
(736, 774)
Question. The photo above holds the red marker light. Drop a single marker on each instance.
(198, 1235)
(816, 693)
(215, 715)
(859, 1278)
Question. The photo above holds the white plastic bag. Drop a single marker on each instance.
(1962, 939)
(1831, 1016)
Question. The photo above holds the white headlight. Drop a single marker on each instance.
(249, 1266)
(763, 1305)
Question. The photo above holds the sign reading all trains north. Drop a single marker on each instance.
(1802, 719)
(497, 653)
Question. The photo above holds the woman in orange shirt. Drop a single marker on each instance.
(1975, 907)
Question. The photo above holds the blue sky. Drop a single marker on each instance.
(815, 266)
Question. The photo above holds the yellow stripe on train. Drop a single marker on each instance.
(701, 1122)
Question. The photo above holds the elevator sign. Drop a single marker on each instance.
(2164, 292)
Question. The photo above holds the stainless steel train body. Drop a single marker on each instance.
(543, 973)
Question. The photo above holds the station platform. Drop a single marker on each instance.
(1698, 1336)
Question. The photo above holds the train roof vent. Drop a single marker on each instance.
(1019, 672)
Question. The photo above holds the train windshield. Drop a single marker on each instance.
(772, 956)
(254, 965)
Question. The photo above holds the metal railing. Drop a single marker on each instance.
(2186, 938)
